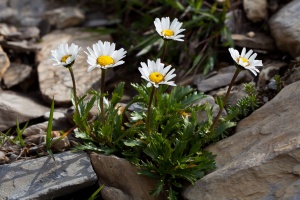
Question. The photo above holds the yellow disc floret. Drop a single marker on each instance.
(64, 58)
(105, 60)
(167, 32)
(244, 60)
(156, 77)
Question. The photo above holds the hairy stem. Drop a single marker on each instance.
(164, 50)
(103, 73)
(149, 109)
(225, 98)
(74, 89)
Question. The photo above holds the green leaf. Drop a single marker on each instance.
(49, 130)
(94, 195)
(223, 127)
(82, 135)
(148, 173)
(219, 102)
(117, 94)
(158, 188)
(172, 194)
(20, 133)
(133, 143)
(88, 107)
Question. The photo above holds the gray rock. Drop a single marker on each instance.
(120, 179)
(19, 46)
(270, 69)
(221, 80)
(257, 41)
(261, 160)
(56, 115)
(293, 74)
(4, 62)
(60, 124)
(45, 179)
(256, 10)
(8, 15)
(3, 158)
(58, 144)
(202, 116)
(272, 85)
(28, 12)
(111, 193)
(8, 30)
(15, 106)
(18, 73)
(64, 17)
(35, 139)
(36, 129)
(284, 27)
(235, 21)
(55, 81)
(236, 94)
(31, 32)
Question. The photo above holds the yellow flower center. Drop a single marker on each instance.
(156, 77)
(167, 32)
(64, 58)
(244, 60)
(185, 114)
(105, 60)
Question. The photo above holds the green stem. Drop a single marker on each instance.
(164, 50)
(103, 72)
(74, 89)
(149, 110)
(225, 98)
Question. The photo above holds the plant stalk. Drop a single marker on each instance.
(149, 110)
(237, 71)
(103, 73)
(74, 89)
(164, 49)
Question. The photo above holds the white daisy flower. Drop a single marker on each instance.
(155, 73)
(168, 31)
(65, 55)
(246, 60)
(104, 55)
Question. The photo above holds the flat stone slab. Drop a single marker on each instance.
(43, 178)
(55, 81)
(15, 106)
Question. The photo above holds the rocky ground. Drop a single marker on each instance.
(265, 140)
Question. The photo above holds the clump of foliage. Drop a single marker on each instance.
(245, 105)
(279, 82)
(172, 153)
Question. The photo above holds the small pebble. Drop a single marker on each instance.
(56, 115)
(251, 34)
(3, 158)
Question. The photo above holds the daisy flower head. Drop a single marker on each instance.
(104, 56)
(169, 30)
(155, 73)
(65, 55)
(246, 60)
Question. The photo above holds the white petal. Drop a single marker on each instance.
(91, 68)
(243, 52)
(252, 57)
(248, 54)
